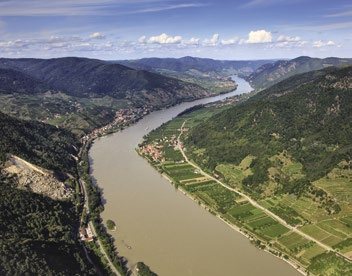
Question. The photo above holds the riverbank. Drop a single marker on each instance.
(250, 236)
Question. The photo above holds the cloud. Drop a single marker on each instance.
(165, 39)
(192, 41)
(320, 43)
(230, 41)
(260, 36)
(212, 41)
(165, 8)
(327, 27)
(97, 36)
(142, 39)
(85, 7)
(261, 3)
(54, 46)
(282, 44)
(342, 14)
(286, 38)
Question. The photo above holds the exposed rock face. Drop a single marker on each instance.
(37, 180)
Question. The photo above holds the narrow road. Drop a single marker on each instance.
(90, 224)
(253, 202)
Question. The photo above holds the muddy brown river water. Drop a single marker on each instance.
(158, 224)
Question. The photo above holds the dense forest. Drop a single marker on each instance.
(92, 78)
(38, 235)
(38, 143)
(311, 121)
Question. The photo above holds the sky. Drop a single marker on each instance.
(218, 29)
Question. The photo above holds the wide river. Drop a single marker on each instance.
(158, 224)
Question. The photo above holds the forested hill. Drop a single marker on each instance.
(91, 78)
(193, 63)
(309, 121)
(38, 143)
(272, 73)
(15, 82)
(38, 234)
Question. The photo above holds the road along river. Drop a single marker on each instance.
(158, 224)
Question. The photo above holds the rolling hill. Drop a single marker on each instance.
(90, 78)
(308, 116)
(272, 73)
(38, 233)
(193, 63)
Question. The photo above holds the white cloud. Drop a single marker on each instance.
(192, 41)
(342, 14)
(230, 41)
(259, 3)
(212, 41)
(301, 43)
(282, 44)
(97, 36)
(142, 39)
(320, 43)
(53, 46)
(260, 36)
(165, 8)
(283, 38)
(327, 27)
(87, 7)
(165, 39)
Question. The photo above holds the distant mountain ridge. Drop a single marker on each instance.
(272, 73)
(90, 78)
(193, 63)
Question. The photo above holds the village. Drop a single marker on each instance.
(156, 150)
(123, 118)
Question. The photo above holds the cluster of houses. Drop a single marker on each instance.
(123, 118)
(227, 101)
(86, 234)
(153, 151)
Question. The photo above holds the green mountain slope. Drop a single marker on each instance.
(13, 81)
(272, 73)
(39, 143)
(310, 121)
(90, 78)
(281, 166)
(38, 234)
